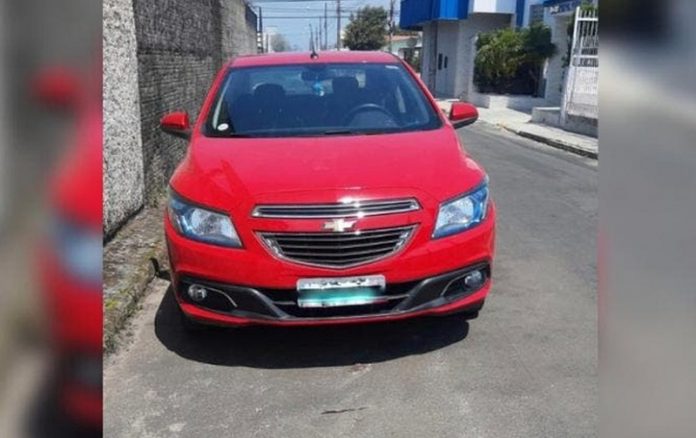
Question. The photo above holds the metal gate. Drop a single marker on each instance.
(580, 97)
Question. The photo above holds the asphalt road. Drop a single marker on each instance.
(527, 367)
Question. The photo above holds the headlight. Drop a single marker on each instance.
(463, 213)
(202, 225)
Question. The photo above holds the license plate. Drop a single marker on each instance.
(336, 292)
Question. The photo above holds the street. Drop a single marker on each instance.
(527, 367)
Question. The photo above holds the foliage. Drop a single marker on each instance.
(412, 57)
(367, 30)
(399, 31)
(498, 58)
(279, 43)
(510, 60)
(537, 47)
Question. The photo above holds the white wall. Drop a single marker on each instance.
(555, 69)
(492, 6)
(447, 47)
(427, 55)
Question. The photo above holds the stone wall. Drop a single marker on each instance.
(123, 157)
(176, 49)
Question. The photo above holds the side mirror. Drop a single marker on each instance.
(57, 87)
(463, 114)
(177, 124)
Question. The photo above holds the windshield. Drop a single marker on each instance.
(319, 99)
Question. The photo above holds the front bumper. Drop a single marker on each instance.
(239, 305)
(264, 287)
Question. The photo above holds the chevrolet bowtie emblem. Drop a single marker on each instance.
(339, 225)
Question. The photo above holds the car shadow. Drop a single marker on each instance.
(305, 347)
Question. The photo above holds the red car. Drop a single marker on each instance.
(70, 260)
(326, 189)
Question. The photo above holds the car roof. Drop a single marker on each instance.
(336, 57)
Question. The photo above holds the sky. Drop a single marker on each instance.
(296, 30)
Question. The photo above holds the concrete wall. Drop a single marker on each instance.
(455, 39)
(428, 55)
(179, 51)
(555, 72)
(174, 50)
(123, 158)
(447, 71)
(238, 29)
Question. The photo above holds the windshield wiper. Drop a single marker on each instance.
(341, 132)
(352, 132)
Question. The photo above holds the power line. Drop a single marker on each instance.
(338, 24)
(306, 17)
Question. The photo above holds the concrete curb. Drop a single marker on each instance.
(554, 142)
(128, 271)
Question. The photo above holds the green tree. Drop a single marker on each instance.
(510, 60)
(498, 59)
(279, 43)
(367, 30)
(537, 48)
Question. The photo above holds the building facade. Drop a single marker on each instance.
(450, 29)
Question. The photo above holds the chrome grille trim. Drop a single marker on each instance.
(337, 210)
(338, 250)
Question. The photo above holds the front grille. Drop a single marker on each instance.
(338, 250)
(342, 210)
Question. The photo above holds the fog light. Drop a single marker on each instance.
(197, 293)
(474, 279)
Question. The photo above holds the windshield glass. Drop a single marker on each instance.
(319, 99)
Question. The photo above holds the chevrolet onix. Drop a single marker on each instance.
(326, 189)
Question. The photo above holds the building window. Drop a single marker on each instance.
(439, 61)
(536, 14)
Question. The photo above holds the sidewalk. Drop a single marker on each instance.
(128, 270)
(518, 122)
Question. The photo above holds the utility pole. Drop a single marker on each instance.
(311, 38)
(261, 28)
(320, 44)
(338, 24)
(326, 29)
(391, 24)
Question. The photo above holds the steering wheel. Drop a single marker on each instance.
(363, 108)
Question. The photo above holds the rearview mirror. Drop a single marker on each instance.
(463, 114)
(177, 124)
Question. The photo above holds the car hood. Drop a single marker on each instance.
(227, 172)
